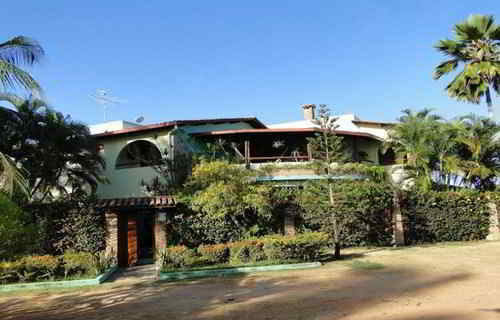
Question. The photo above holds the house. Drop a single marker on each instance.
(136, 220)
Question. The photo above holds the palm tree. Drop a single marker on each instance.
(411, 139)
(57, 152)
(13, 53)
(479, 152)
(477, 46)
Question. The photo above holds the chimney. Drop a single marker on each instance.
(309, 111)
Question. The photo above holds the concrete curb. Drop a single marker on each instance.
(181, 275)
(60, 284)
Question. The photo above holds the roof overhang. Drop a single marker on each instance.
(283, 130)
(179, 123)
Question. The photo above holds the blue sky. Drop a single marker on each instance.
(208, 59)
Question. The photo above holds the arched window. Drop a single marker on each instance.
(139, 153)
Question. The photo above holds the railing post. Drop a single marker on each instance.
(247, 154)
(309, 152)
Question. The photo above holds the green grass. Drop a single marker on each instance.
(364, 265)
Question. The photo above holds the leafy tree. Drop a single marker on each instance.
(476, 46)
(328, 152)
(58, 154)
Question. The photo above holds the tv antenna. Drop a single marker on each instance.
(104, 98)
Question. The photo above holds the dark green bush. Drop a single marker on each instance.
(177, 257)
(17, 233)
(302, 247)
(445, 216)
(363, 209)
(78, 263)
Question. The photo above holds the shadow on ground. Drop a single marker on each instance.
(295, 295)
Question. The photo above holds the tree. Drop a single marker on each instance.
(479, 152)
(477, 46)
(13, 53)
(328, 152)
(57, 153)
(412, 141)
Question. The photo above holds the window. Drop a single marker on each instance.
(139, 153)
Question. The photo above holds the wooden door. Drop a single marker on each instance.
(132, 240)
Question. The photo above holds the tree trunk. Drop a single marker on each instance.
(337, 250)
(489, 103)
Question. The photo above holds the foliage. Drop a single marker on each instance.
(58, 154)
(362, 208)
(220, 202)
(215, 253)
(476, 46)
(445, 216)
(17, 232)
(445, 154)
(47, 267)
(69, 223)
(13, 53)
(269, 249)
(11, 177)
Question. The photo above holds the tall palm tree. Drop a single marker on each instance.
(476, 45)
(14, 53)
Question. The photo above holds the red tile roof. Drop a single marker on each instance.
(253, 121)
(139, 202)
(283, 130)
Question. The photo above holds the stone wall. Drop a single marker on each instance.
(112, 234)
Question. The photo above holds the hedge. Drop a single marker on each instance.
(41, 268)
(445, 216)
(275, 248)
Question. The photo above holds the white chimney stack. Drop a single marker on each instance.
(309, 111)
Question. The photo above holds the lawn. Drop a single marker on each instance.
(451, 281)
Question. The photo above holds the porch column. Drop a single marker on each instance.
(289, 227)
(494, 232)
(111, 234)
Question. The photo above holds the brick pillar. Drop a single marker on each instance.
(494, 232)
(160, 230)
(289, 225)
(398, 232)
(112, 234)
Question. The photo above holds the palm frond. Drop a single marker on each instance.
(21, 50)
(12, 76)
(444, 68)
(11, 176)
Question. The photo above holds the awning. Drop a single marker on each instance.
(137, 202)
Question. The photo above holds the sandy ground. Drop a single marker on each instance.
(437, 283)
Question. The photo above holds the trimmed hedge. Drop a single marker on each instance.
(41, 268)
(445, 216)
(300, 248)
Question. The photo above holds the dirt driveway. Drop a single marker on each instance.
(435, 283)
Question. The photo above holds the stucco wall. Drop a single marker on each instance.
(126, 182)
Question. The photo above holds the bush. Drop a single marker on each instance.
(17, 234)
(302, 247)
(77, 263)
(216, 253)
(362, 208)
(445, 216)
(177, 257)
(247, 251)
(39, 268)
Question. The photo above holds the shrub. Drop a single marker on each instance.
(39, 268)
(78, 263)
(445, 216)
(17, 234)
(216, 253)
(302, 247)
(177, 257)
(247, 251)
